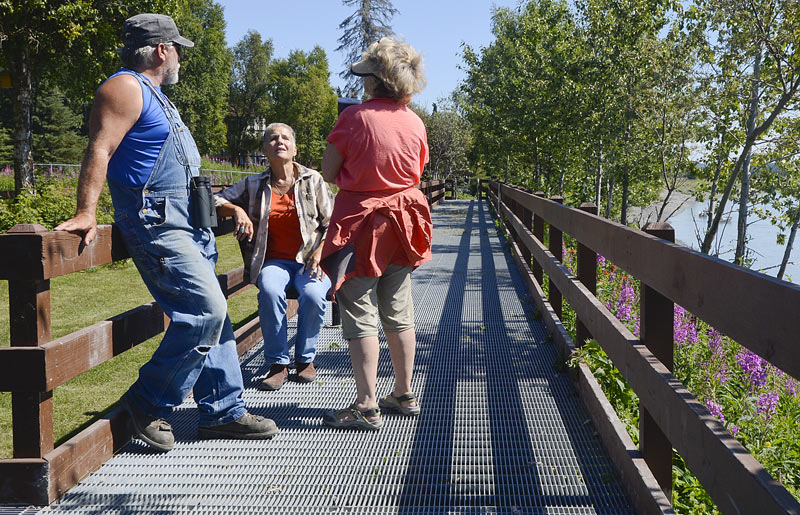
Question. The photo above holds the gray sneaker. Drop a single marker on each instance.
(246, 427)
(155, 432)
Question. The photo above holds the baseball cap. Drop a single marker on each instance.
(365, 66)
(151, 29)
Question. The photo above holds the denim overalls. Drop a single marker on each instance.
(176, 262)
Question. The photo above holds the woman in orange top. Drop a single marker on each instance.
(380, 227)
(281, 218)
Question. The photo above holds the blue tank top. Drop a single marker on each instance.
(135, 157)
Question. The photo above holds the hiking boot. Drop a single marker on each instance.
(246, 427)
(305, 372)
(155, 432)
(276, 377)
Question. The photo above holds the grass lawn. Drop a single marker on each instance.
(82, 299)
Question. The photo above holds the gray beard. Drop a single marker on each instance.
(171, 76)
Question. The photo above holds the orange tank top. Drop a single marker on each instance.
(283, 233)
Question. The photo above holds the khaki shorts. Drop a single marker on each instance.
(363, 300)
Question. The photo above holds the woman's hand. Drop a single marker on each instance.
(312, 265)
(243, 226)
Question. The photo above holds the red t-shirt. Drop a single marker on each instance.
(383, 145)
(283, 232)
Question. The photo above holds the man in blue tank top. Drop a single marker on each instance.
(139, 143)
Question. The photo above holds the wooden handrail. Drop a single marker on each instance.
(34, 365)
(726, 296)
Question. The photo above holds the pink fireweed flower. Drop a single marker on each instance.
(754, 367)
(684, 327)
(791, 386)
(715, 409)
(767, 403)
(714, 339)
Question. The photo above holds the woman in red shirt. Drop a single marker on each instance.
(381, 227)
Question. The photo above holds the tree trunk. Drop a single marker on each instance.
(744, 197)
(598, 183)
(19, 61)
(752, 134)
(715, 182)
(789, 243)
(623, 217)
(610, 196)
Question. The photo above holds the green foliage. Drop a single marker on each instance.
(301, 96)
(449, 141)
(201, 95)
(70, 43)
(6, 148)
(688, 495)
(619, 393)
(56, 137)
(369, 23)
(52, 202)
(248, 94)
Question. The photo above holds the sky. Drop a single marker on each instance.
(436, 28)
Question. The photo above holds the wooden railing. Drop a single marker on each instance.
(35, 364)
(435, 190)
(757, 311)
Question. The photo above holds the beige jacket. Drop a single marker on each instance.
(314, 203)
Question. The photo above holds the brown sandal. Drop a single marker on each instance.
(359, 420)
(390, 402)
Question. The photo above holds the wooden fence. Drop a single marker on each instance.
(757, 311)
(34, 365)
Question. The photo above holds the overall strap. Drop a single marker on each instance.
(169, 111)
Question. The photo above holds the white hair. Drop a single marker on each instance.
(271, 128)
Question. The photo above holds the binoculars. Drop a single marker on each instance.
(203, 208)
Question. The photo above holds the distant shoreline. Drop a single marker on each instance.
(678, 202)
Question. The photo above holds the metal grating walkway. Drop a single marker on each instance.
(500, 431)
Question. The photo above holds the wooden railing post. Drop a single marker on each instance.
(657, 334)
(555, 246)
(29, 310)
(587, 275)
(526, 216)
(538, 231)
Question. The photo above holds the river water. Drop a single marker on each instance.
(765, 250)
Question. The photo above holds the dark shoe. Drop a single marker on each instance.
(246, 427)
(354, 418)
(276, 377)
(155, 432)
(306, 372)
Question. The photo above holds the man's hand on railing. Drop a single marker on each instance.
(83, 223)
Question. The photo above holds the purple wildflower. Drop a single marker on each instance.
(754, 367)
(715, 409)
(791, 386)
(734, 430)
(601, 260)
(767, 403)
(684, 327)
(714, 339)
